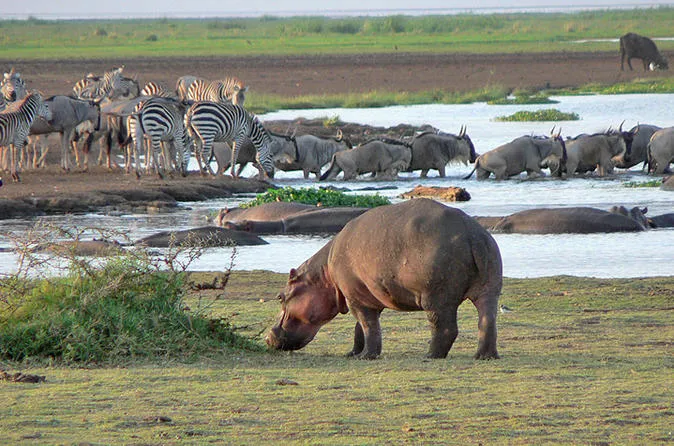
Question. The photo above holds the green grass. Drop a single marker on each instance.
(651, 183)
(482, 33)
(324, 197)
(539, 115)
(584, 361)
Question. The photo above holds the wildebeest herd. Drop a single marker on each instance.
(158, 129)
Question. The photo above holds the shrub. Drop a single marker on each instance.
(152, 38)
(326, 197)
(550, 114)
(127, 307)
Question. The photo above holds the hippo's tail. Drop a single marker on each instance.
(477, 164)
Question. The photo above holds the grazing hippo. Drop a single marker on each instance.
(319, 220)
(412, 256)
(582, 220)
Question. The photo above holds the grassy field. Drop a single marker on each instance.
(475, 33)
(584, 361)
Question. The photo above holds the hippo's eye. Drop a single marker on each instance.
(281, 297)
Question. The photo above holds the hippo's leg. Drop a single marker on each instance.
(487, 308)
(444, 330)
(358, 341)
(368, 320)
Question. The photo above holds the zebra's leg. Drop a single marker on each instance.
(15, 148)
(206, 151)
(156, 153)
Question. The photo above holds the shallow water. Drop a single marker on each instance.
(597, 255)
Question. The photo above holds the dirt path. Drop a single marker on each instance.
(333, 74)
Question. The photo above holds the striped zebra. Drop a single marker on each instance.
(15, 125)
(160, 120)
(208, 122)
(230, 89)
(155, 89)
(97, 88)
(13, 87)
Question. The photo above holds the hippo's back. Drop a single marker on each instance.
(583, 220)
(415, 245)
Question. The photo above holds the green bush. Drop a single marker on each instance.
(550, 114)
(651, 183)
(326, 197)
(126, 308)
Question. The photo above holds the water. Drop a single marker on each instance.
(597, 255)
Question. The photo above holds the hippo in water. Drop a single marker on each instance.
(413, 256)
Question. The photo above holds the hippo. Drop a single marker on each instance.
(276, 210)
(582, 220)
(319, 220)
(418, 255)
(206, 237)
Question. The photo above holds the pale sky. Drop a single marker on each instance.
(259, 7)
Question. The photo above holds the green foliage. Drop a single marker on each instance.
(550, 114)
(651, 183)
(326, 197)
(128, 307)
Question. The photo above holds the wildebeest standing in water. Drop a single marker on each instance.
(634, 46)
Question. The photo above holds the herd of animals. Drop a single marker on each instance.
(415, 272)
(159, 129)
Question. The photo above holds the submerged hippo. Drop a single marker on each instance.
(319, 220)
(412, 256)
(581, 220)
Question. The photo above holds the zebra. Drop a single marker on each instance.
(96, 88)
(230, 89)
(160, 120)
(15, 125)
(13, 87)
(207, 122)
(157, 90)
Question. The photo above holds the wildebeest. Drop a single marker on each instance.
(589, 152)
(67, 113)
(382, 157)
(433, 150)
(639, 152)
(634, 46)
(661, 151)
(308, 153)
(223, 155)
(526, 153)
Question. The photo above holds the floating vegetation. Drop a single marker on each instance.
(549, 114)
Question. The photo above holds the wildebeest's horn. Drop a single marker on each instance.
(620, 129)
(552, 130)
(340, 135)
(462, 132)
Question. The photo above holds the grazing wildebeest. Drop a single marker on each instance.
(634, 46)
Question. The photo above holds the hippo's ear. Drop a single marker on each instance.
(644, 210)
(293, 275)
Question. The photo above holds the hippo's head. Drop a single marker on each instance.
(308, 302)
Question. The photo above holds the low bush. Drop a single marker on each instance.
(550, 114)
(324, 197)
(127, 307)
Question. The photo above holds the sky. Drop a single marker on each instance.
(260, 7)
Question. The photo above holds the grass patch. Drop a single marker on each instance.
(324, 197)
(523, 98)
(650, 183)
(583, 361)
(550, 114)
